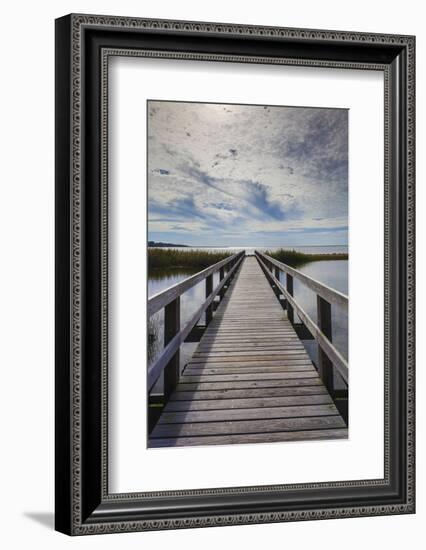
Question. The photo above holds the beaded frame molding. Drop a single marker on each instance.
(84, 44)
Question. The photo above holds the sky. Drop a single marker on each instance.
(243, 175)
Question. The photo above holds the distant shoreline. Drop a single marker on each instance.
(154, 244)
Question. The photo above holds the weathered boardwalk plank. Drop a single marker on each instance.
(247, 403)
(247, 384)
(287, 391)
(249, 426)
(225, 415)
(250, 379)
(273, 437)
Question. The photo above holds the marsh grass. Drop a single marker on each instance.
(160, 258)
(297, 259)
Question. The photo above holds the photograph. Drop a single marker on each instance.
(247, 273)
(221, 191)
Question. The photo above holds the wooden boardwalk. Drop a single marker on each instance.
(250, 379)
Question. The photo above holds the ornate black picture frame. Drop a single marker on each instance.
(83, 45)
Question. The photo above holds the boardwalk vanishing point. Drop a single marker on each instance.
(250, 379)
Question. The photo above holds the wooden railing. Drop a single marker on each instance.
(174, 336)
(328, 356)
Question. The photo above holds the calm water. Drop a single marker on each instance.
(331, 273)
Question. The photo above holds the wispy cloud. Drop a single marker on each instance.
(231, 174)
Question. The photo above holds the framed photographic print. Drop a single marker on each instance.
(234, 274)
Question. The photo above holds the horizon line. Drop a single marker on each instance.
(247, 245)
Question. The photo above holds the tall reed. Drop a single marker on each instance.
(295, 258)
(162, 258)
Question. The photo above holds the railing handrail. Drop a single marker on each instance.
(324, 343)
(329, 294)
(155, 370)
(162, 299)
